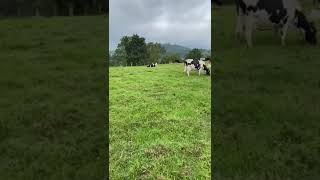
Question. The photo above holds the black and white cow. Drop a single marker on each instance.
(197, 65)
(280, 14)
(153, 65)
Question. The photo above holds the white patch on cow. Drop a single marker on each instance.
(290, 5)
(262, 16)
(185, 66)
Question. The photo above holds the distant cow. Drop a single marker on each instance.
(279, 14)
(152, 65)
(197, 65)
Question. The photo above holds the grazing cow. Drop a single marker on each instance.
(194, 64)
(152, 65)
(277, 13)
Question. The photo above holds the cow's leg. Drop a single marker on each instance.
(276, 30)
(199, 71)
(248, 29)
(240, 26)
(283, 31)
(187, 70)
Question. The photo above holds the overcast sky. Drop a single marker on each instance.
(183, 22)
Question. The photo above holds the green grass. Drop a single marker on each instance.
(53, 104)
(159, 123)
(266, 104)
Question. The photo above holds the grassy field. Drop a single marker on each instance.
(159, 123)
(53, 98)
(266, 105)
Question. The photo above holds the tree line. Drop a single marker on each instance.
(134, 51)
(53, 7)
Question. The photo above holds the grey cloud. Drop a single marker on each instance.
(184, 22)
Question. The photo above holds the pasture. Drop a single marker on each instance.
(266, 104)
(53, 98)
(159, 121)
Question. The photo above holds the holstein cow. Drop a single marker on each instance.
(152, 65)
(194, 64)
(279, 14)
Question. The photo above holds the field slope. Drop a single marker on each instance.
(159, 123)
(267, 104)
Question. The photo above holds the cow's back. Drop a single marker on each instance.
(269, 11)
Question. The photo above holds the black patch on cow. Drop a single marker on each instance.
(241, 6)
(196, 63)
(309, 28)
(275, 8)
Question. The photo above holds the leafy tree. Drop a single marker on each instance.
(119, 57)
(136, 50)
(20, 4)
(155, 52)
(36, 4)
(132, 50)
(194, 54)
(171, 58)
(70, 4)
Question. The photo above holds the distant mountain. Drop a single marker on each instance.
(174, 48)
(182, 50)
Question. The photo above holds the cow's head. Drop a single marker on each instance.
(311, 34)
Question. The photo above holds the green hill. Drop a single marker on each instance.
(181, 50)
(174, 48)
